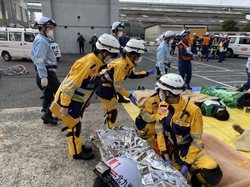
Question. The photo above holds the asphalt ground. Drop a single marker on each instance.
(34, 154)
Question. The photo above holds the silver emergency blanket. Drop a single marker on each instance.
(124, 142)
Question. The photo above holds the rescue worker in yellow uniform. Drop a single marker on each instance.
(206, 45)
(180, 123)
(145, 121)
(76, 90)
(116, 72)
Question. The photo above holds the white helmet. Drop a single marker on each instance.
(207, 34)
(194, 34)
(109, 43)
(185, 32)
(46, 22)
(169, 34)
(225, 36)
(136, 46)
(118, 25)
(171, 82)
(122, 170)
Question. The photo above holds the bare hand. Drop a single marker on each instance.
(64, 111)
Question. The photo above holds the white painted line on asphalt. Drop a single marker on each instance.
(218, 82)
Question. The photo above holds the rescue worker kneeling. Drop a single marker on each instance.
(180, 123)
(76, 90)
(116, 72)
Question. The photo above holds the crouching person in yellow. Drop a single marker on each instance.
(180, 123)
(76, 90)
(116, 72)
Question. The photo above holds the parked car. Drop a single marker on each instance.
(239, 45)
(17, 43)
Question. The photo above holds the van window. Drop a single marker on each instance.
(29, 37)
(232, 39)
(245, 41)
(15, 36)
(3, 36)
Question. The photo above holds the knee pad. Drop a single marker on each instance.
(212, 176)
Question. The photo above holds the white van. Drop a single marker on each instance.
(17, 43)
(239, 45)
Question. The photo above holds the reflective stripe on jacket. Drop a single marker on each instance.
(42, 55)
(81, 80)
(179, 131)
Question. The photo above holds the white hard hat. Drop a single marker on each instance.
(225, 36)
(118, 25)
(171, 82)
(123, 172)
(207, 34)
(109, 43)
(185, 32)
(169, 34)
(194, 34)
(136, 46)
(46, 22)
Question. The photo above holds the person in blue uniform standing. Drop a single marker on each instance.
(163, 54)
(45, 62)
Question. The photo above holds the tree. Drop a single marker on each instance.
(229, 25)
(247, 27)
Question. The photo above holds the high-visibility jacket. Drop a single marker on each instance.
(182, 128)
(206, 41)
(78, 86)
(192, 41)
(147, 117)
(183, 46)
(112, 77)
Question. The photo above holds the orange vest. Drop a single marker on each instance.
(192, 39)
(185, 47)
(205, 41)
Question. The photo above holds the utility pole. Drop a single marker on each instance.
(3, 14)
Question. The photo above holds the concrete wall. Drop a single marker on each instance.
(95, 17)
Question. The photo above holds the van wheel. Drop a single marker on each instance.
(58, 58)
(229, 53)
(6, 56)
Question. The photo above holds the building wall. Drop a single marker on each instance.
(16, 13)
(82, 16)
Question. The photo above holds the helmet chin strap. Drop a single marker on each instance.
(44, 32)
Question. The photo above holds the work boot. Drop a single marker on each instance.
(84, 156)
(238, 128)
(48, 118)
(86, 149)
(121, 99)
(219, 61)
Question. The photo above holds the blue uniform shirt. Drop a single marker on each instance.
(43, 55)
(163, 55)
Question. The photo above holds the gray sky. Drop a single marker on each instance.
(205, 2)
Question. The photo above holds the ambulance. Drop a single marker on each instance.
(17, 43)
